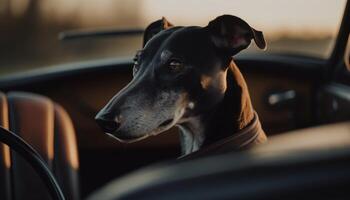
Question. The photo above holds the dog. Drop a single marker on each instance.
(185, 77)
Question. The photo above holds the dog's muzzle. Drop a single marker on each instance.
(108, 126)
(108, 121)
(111, 126)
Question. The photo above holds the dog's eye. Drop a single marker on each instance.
(175, 65)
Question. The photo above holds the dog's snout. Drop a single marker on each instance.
(108, 126)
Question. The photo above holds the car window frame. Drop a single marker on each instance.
(336, 58)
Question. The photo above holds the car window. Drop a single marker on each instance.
(29, 35)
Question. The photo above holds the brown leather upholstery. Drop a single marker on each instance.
(48, 128)
(347, 54)
(5, 162)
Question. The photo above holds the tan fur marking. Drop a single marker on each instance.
(218, 82)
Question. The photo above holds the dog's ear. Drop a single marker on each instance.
(233, 34)
(154, 28)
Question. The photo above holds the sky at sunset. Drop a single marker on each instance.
(299, 16)
(272, 15)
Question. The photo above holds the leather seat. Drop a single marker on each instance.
(47, 127)
(347, 54)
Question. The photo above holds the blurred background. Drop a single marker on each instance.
(29, 28)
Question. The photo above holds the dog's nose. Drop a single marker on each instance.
(108, 126)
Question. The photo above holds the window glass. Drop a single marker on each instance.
(29, 28)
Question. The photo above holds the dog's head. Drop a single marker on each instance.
(179, 74)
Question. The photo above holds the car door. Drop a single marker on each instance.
(333, 99)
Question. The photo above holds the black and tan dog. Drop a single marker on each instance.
(185, 77)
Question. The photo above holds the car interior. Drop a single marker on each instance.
(303, 104)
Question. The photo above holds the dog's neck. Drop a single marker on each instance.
(232, 114)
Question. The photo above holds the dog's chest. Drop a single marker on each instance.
(191, 138)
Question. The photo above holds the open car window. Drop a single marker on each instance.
(30, 39)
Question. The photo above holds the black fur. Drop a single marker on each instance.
(203, 52)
